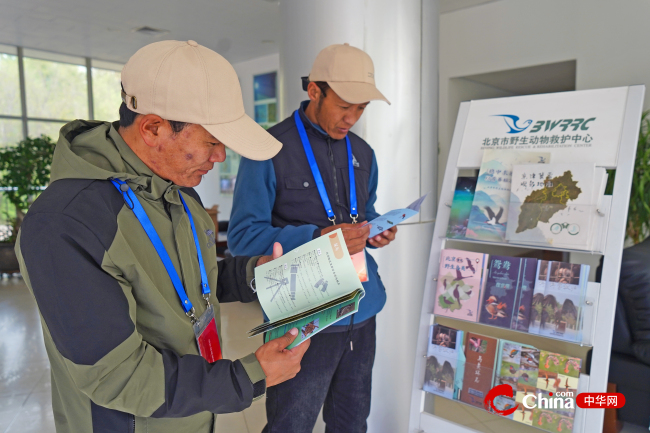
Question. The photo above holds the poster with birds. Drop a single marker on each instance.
(488, 217)
(461, 278)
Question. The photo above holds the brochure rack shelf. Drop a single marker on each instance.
(598, 324)
(589, 309)
(458, 425)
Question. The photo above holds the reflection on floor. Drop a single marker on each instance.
(25, 401)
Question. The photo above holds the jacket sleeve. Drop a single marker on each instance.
(373, 181)
(235, 276)
(250, 231)
(89, 316)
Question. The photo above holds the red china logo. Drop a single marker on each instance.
(505, 390)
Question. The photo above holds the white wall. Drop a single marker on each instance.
(209, 188)
(608, 39)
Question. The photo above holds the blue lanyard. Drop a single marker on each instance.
(134, 204)
(319, 180)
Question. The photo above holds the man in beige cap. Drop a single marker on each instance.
(302, 193)
(119, 254)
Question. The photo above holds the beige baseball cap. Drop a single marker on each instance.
(349, 71)
(187, 82)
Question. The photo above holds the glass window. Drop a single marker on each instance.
(55, 90)
(11, 132)
(51, 129)
(10, 88)
(106, 94)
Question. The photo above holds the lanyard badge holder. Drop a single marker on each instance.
(205, 327)
(358, 259)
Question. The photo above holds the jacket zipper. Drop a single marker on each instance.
(133, 424)
(336, 184)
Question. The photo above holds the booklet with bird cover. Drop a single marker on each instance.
(309, 288)
(445, 361)
(489, 215)
(479, 368)
(461, 279)
(500, 294)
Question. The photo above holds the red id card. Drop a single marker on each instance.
(207, 337)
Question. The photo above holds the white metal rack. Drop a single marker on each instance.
(421, 417)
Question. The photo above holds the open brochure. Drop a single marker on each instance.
(394, 217)
(309, 288)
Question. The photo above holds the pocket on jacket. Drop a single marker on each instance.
(299, 182)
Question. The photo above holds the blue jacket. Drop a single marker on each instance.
(277, 200)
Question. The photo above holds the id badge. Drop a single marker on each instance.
(207, 337)
(359, 262)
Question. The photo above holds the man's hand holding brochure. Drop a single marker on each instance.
(309, 288)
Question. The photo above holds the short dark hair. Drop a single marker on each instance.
(322, 85)
(127, 117)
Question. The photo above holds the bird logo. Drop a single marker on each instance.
(470, 265)
(492, 218)
(513, 124)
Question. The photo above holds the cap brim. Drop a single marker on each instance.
(247, 138)
(356, 92)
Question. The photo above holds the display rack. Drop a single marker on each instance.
(598, 330)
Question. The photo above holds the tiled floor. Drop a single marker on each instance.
(25, 401)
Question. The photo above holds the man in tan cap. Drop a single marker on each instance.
(119, 254)
(302, 193)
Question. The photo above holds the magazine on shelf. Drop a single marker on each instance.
(538, 296)
(564, 298)
(444, 357)
(309, 288)
(517, 366)
(555, 205)
(480, 352)
(489, 215)
(461, 207)
(461, 279)
(500, 293)
(524, 296)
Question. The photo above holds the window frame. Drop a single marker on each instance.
(87, 62)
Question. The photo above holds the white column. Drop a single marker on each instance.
(402, 39)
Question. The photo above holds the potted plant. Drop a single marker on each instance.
(24, 173)
(638, 216)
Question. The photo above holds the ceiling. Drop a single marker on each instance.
(237, 29)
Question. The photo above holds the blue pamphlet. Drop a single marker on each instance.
(394, 217)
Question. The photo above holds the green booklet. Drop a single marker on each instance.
(309, 288)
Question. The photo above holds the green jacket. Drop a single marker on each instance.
(122, 351)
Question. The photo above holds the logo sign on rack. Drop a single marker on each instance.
(575, 126)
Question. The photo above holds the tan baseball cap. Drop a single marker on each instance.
(349, 71)
(186, 82)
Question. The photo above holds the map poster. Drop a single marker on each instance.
(552, 204)
(574, 126)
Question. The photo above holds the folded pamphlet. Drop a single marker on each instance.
(309, 288)
(394, 217)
